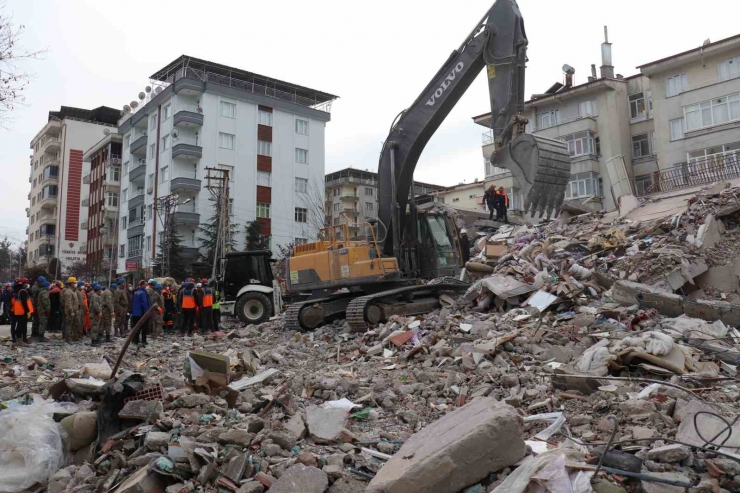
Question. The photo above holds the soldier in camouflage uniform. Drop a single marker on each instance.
(43, 309)
(120, 304)
(107, 299)
(34, 295)
(95, 304)
(158, 318)
(70, 309)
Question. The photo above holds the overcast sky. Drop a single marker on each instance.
(376, 55)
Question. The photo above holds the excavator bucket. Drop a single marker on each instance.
(542, 168)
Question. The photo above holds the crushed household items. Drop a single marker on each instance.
(594, 353)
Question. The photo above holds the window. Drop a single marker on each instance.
(264, 148)
(153, 121)
(301, 127)
(264, 179)
(264, 118)
(111, 199)
(226, 141)
(127, 141)
(148, 244)
(640, 146)
(583, 185)
(301, 215)
(456, 199)
(642, 184)
(580, 144)
(164, 174)
(149, 212)
(166, 112)
(337, 207)
(123, 223)
(263, 210)
(114, 174)
(369, 191)
(34, 183)
(336, 192)
(151, 150)
(676, 85)
(637, 105)
(165, 142)
(301, 156)
(231, 207)
(301, 185)
(549, 118)
(301, 241)
(729, 69)
(228, 109)
(122, 250)
(124, 195)
(713, 112)
(677, 128)
(516, 199)
(587, 108)
(369, 206)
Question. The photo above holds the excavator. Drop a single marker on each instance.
(369, 278)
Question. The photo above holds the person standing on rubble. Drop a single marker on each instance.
(502, 201)
(106, 297)
(464, 246)
(55, 317)
(141, 306)
(96, 313)
(216, 306)
(82, 308)
(206, 308)
(489, 198)
(150, 291)
(187, 307)
(120, 307)
(157, 317)
(70, 307)
(22, 312)
(7, 295)
(43, 309)
(169, 307)
(34, 291)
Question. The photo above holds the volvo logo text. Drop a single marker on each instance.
(448, 80)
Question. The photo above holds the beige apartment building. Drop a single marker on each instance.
(672, 125)
(463, 196)
(353, 193)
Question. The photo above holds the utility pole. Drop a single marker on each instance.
(217, 183)
(166, 210)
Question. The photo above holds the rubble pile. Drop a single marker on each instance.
(571, 364)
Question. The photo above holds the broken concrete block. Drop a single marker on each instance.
(148, 411)
(156, 439)
(325, 425)
(284, 439)
(721, 278)
(235, 468)
(258, 379)
(212, 362)
(669, 453)
(636, 407)
(455, 451)
(634, 293)
(708, 234)
(301, 478)
(81, 428)
(296, 426)
(142, 482)
(652, 487)
(251, 487)
(347, 485)
(236, 437)
(193, 400)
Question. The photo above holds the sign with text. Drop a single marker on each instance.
(132, 265)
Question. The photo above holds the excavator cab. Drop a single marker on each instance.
(431, 248)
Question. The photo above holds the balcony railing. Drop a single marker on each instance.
(487, 137)
(190, 208)
(192, 175)
(137, 133)
(136, 193)
(187, 107)
(136, 222)
(185, 140)
(696, 173)
(134, 253)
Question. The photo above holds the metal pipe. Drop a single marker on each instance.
(131, 335)
(615, 422)
(647, 477)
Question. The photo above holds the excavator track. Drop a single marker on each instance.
(356, 310)
(292, 318)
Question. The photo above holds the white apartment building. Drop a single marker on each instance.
(55, 212)
(267, 133)
(463, 196)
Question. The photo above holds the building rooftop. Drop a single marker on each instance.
(367, 175)
(101, 114)
(694, 52)
(215, 72)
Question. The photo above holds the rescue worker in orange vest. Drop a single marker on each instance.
(169, 307)
(22, 309)
(502, 204)
(187, 307)
(206, 309)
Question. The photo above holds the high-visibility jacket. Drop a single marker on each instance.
(188, 300)
(503, 197)
(18, 304)
(216, 301)
(207, 297)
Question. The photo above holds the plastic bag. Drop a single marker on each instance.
(30, 444)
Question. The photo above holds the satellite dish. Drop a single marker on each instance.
(568, 69)
(134, 104)
(175, 133)
(157, 90)
(106, 131)
(126, 109)
(706, 42)
(148, 89)
(142, 96)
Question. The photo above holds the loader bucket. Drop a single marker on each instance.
(542, 168)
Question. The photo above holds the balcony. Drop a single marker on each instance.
(85, 202)
(135, 228)
(187, 214)
(139, 140)
(188, 116)
(50, 201)
(138, 170)
(134, 255)
(184, 181)
(115, 159)
(186, 147)
(698, 172)
(352, 198)
(49, 180)
(349, 211)
(51, 145)
(136, 199)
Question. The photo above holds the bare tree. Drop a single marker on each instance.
(314, 203)
(13, 79)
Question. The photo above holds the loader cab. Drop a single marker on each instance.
(436, 245)
(247, 285)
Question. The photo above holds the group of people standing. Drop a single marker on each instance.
(78, 308)
(497, 201)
